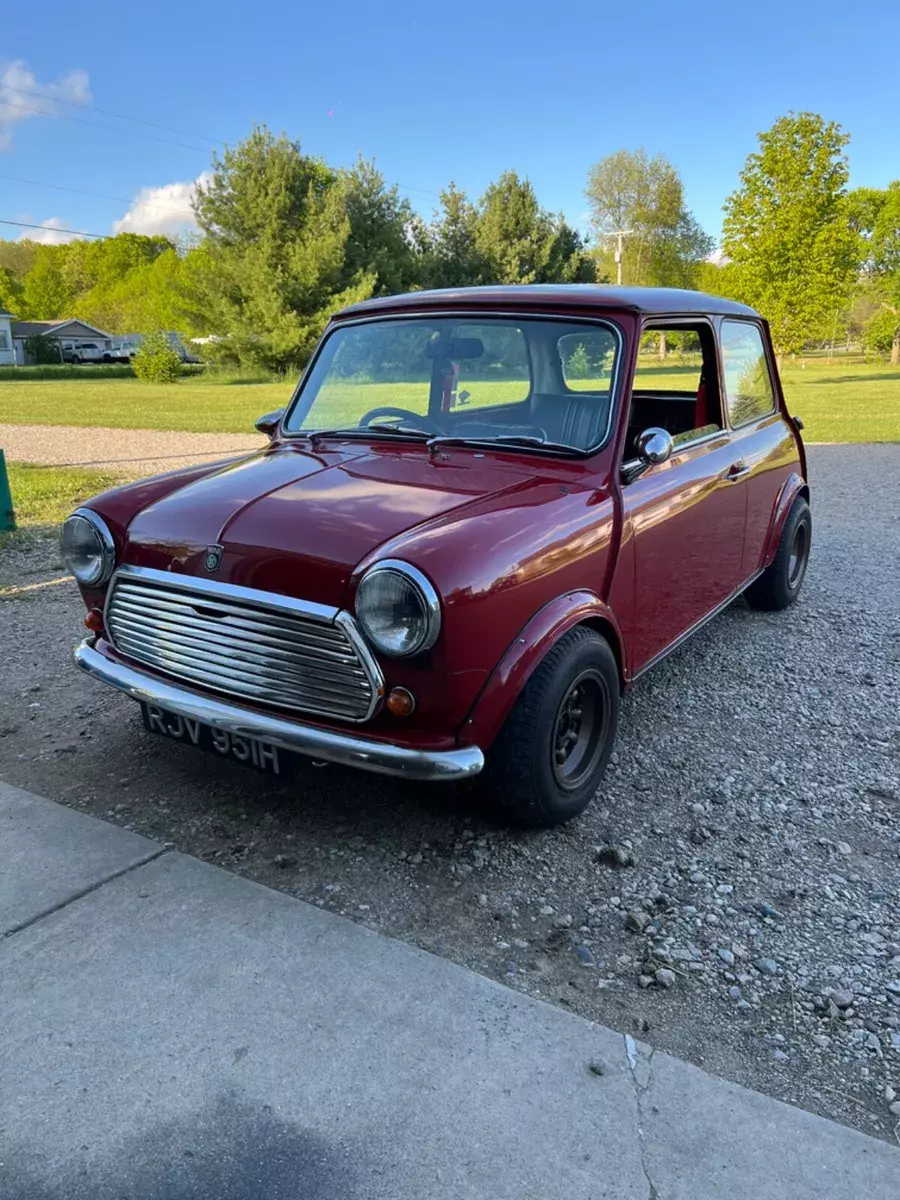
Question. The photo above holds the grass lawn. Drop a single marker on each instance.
(44, 496)
(845, 401)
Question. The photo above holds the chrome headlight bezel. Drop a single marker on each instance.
(426, 597)
(105, 556)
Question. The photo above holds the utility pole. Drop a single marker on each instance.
(619, 235)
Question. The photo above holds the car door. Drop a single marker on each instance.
(762, 438)
(686, 518)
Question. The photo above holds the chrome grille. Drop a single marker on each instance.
(267, 648)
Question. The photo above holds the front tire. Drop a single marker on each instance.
(549, 758)
(780, 583)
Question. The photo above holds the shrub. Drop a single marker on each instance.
(156, 361)
(43, 350)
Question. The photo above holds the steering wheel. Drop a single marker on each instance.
(421, 422)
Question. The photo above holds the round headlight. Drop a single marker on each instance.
(87, 548)
(398, 609)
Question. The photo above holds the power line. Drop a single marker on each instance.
(106, 113)
(54, 229)
(43, 112)
(58, 187)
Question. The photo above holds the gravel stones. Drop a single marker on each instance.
(664, 977)
(760, 731)
(140, 451)
(615, 855)
(637, 920)
(766, 966)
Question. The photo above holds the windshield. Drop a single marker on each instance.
(530, 382)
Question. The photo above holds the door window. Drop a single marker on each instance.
(675, 385)
(748, 385)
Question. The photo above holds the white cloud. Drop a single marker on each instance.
(50, 233)
(23, 96)
(165, 209)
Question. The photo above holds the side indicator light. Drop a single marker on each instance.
(401, 702)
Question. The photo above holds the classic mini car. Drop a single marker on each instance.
(481, 516)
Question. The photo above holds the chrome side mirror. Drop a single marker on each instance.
(655, 446)
(269, 423)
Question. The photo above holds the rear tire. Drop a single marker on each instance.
(551, 754)
(780, 583)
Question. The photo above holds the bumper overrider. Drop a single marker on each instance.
(324, 745)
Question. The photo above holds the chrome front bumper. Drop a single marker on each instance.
(322, 744)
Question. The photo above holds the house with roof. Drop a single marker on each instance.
(64, 329)
(7, 350)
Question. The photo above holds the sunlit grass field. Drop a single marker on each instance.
(44, 496)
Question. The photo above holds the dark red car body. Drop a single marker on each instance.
(520, 547)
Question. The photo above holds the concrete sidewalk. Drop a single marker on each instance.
(169, 1030)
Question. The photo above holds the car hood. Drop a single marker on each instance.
(297, 522)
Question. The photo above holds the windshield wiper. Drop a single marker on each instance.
(528, 440)
(404, 431)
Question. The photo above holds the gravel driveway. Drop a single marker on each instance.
(733, 897)
(129, 451)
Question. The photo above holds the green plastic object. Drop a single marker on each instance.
(7, 516)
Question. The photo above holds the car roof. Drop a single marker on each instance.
(546, 296)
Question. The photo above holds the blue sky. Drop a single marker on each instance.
(460, 90)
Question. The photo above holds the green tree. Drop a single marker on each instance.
(520, 242)
(787, 229)
(381, 239)
(644, 198)
(452, 246)
(875, 215)
(276, 251)
(45, 294)
(43, 350)
(10, 292)
(18, 257)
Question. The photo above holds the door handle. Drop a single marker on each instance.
(736, 471)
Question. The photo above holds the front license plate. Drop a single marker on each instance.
(252, 752)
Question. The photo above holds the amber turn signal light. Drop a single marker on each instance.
(94, 620)
(400, 702)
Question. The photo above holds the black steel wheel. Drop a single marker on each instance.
(549, 758)
(780, 583)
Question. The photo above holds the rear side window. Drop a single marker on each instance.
(500, 374)
(587, 359)
(748, 385)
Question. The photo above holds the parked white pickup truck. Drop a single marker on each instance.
(121, 352)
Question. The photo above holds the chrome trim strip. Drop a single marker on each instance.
(680, 447)
(683, 637)
(382, 758)
(328, 641)
(224, 591)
